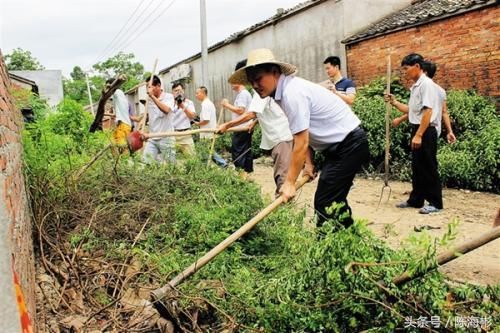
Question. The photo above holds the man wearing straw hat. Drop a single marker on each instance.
(317, 119)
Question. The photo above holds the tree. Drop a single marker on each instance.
(22, 60)
(77, 73)
(122, 63)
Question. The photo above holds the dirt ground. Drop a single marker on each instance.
(475, 210)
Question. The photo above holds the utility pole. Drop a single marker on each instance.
(90, 95)
(204, 48)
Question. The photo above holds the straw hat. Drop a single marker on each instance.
(259, 57)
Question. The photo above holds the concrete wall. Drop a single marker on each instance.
(304, 39)
(15, 225)
(49, 84)
(465, 48)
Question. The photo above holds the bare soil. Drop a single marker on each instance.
(475, 211)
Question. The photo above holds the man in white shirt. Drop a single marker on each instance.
(161, 119)
(319, 119)
(241, 149)
(276, 135)
(424, 111)
(208, 120)
(184, 112)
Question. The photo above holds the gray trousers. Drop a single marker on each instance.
(281, 154)
(162, 150)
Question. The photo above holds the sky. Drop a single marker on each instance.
(62, 34)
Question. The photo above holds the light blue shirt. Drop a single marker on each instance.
(308, 105)
(423, 94)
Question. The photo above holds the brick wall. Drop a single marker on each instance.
(15, 225)
(465, 48)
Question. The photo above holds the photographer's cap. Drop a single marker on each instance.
(259, 57)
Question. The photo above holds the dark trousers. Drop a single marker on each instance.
(426, 184)
(342, 161)
(241, 151)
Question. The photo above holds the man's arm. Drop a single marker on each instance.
(450, 136)
(233, 108)
(188, 109)
(399, 120)
(416, 142)
(398, 105)
(299, 155)
(349, 98)
(235, 122)
(162, 106)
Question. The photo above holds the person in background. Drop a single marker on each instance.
(184, 112)
(241, 149)
(123, 119)
(340, 86)
(424, 113)
(430, 70)
(208, 120)
(161, 119)
(276, 135)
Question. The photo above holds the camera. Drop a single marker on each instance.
(195, 119)
(179, 99)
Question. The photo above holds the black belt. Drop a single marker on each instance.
(182, 130)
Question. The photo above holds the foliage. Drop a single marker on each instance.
(76, 87)
(281, 277)
(122, 63)
(223, 143)
(22, 60)
(473, 162)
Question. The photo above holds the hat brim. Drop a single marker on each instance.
(240, 76)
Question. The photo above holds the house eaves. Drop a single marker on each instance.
(418, 13)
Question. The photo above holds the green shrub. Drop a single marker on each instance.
(473, 162)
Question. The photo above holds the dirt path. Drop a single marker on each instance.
(475, 210)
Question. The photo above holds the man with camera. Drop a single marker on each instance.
(184, 113)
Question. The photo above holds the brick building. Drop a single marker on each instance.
(461, 36)
(16, 245)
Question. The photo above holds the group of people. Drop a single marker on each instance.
(298, 117)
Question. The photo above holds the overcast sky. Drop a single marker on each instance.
(65, 33)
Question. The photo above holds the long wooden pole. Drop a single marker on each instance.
(159, 293)
(212, 145)
(143, 119)
(387, 123)
(191, 132)
(454, 253)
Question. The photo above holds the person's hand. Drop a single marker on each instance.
(222, 129)
(416, 142)
(451, 138)
(309, 170)
(331, 87)
(224, 103)
(396, 122)
(144, 136)
(389, 98)
(150, 91)
(251, 126)
(287, 191)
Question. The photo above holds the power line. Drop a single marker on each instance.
(119, 32)
(150, 24)
(123, 37)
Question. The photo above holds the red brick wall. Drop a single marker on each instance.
(12, 193)
(466, 49)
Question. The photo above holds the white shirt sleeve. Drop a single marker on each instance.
(258, 104)
(298, 112)
(205, 112)
(428, 95)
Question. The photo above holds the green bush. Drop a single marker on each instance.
(280, 277)
(473, 162)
